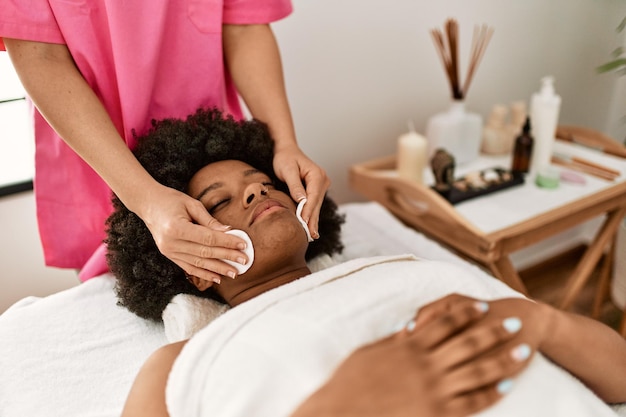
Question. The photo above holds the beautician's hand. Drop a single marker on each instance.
(453, 365)
(294, 168)
(190, 237)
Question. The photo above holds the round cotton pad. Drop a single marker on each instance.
(249, 251)
(301, 220)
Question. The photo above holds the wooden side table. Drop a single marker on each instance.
(489, 228)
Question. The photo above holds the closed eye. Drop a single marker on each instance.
(218, 205)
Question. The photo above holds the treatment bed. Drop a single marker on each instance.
(76, 353)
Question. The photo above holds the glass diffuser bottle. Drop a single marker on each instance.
(456, 130)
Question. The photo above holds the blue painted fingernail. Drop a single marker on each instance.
(481, 306)
(505, 386)
(410, 326)
(512, 324)
(521, 352)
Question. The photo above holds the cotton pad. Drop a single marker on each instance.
(301, 220)
(249, 251)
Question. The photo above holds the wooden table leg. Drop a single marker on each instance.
(604, 283)
(504, 270)
(590, 259)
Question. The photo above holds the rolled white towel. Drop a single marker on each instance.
(186, 314)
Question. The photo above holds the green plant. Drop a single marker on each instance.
(618, 62)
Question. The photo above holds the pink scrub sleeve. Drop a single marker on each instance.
(30, 20)
(254, 11)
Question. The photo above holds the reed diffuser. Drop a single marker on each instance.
(457, 130)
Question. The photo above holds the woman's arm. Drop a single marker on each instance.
(147, 395)
(588, 349)
(253, 60)
(70, 106)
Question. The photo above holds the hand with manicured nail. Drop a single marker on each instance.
(190, 237)
(441, 366)
(460, 355)
(580, 345)
(298, 171)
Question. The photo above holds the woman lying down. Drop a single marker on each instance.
(386, 336)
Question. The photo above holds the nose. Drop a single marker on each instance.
(253, 191)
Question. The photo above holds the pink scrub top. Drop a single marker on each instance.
(145, 59)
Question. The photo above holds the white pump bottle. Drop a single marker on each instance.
(545, 106)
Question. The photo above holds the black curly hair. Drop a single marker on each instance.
(172, 151)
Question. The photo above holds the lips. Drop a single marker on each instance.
(262, 207)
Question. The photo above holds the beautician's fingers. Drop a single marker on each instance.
(205, 260)
(447, 324)
(209, 258)
(185, 233)
(294, 168)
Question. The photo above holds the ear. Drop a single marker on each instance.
(200, 284)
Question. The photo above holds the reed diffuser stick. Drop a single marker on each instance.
(478, 51)
(453, 35)
(449, 54)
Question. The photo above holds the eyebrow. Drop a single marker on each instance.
(217, 185)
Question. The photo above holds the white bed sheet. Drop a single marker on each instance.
(76, 353)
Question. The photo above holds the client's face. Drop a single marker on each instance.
(244, 198)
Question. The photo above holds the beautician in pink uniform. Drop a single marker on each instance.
(99, 71)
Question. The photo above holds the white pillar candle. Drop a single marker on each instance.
(412, 156)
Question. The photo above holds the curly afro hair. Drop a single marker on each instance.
(172, 151)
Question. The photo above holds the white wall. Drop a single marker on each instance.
(357, 70)
(22, 269)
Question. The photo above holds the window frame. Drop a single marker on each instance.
(19, 186)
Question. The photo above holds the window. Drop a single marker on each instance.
(16, 134)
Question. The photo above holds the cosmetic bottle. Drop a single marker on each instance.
(544, 112)
(519, 113)
(522, 150)
(412, 155)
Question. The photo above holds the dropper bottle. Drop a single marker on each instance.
(523, 149)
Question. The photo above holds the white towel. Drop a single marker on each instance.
(75, 353)
(186, 314)
(276, 349)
